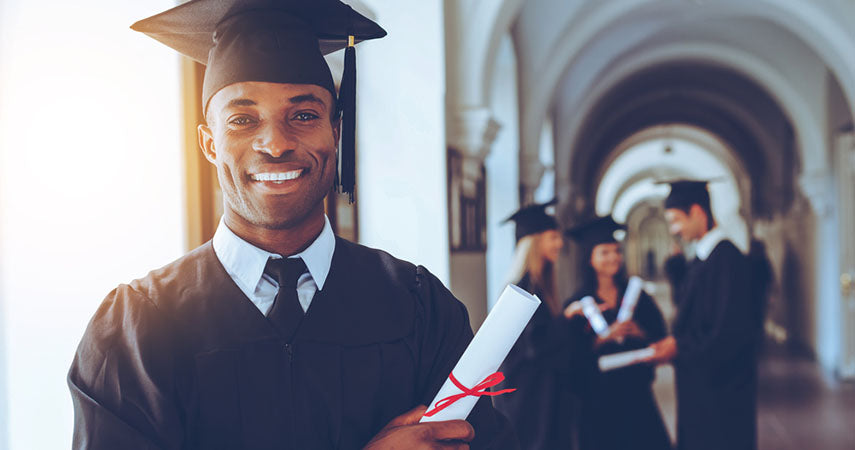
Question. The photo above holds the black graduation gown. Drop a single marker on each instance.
(716, 367)
(181, 359)
(541, 410)
(619, 410)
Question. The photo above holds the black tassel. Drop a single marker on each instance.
(347, 103)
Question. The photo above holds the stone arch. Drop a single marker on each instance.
(803, 19)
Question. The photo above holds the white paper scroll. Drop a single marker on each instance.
(487, 350)
(623, 359)
(630, 299)
(594, 315)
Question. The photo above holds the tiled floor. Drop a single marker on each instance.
(802, 408)
(799, 408)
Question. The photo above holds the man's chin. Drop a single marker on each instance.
(298, 215)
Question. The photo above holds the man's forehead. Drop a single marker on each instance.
(248, 93)
(673, 213)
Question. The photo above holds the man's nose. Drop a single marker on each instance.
(274, 140)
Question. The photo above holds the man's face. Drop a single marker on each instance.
(274, 146)
(689, 226)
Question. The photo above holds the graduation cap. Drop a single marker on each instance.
(685, 193)
(600, 230)
(278, 41)
(533, 219)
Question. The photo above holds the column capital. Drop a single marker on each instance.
(846, 144)
(818, 187)
(471, 131)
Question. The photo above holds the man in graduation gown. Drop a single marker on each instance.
(276, 334)
(713, 346)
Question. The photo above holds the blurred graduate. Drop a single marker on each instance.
(713, 346)
(618, 409)
(538, 364)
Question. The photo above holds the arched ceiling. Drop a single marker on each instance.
(712, 98)
(636, 63)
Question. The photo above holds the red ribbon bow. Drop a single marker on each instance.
(477, 391)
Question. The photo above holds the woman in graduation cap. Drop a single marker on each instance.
(618, 408)
(538, 364)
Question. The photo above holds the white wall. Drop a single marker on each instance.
(401, 180)
(90, 188)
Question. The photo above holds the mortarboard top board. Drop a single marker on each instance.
(533, 219)
(278, 41)
(685, 193)
(599, 230)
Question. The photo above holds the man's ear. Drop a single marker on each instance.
(699, 213)
(206, 143)
(336, 129)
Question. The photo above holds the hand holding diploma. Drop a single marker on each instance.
(475, 372)
(664, 351)
(630, 299)
(623, 359)
(405, 431)
(619, 331)
(595, 316)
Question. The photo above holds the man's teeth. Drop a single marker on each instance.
(277, 177)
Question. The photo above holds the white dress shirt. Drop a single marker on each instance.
(709, 242)
(245, 264)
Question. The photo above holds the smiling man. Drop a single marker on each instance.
(276, 334)
(713, 342)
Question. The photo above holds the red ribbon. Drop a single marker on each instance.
(477, 391)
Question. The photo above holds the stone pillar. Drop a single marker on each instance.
(824, 294)
(470, 135)
(845, 168)
(531, 173)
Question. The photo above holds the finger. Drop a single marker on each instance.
(408, 418)
(450, 430)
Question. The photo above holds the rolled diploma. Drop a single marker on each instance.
(487, 350)
(623, 359)
(594, 315)
(630, 299)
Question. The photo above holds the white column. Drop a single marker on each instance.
(401, 148)
(471, 132)
(818, 187)
(502, 171)
(845, 166)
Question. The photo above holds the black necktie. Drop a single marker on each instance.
(286, 312)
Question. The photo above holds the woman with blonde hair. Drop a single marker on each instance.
(538, 364)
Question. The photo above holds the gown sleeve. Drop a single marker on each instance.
(675, 269)
(121, 378)
(445, 335)
(650, 319)
(725, 304)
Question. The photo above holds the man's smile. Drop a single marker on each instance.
(276, 177)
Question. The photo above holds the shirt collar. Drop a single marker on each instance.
(708, 243)
(246, 262)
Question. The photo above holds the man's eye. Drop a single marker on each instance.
(305, 116)
(240, 121)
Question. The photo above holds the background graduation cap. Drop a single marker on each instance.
(279, 41)
(599, 230)
(533, 219)
(685, 193)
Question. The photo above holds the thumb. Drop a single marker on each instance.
(408, 418)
